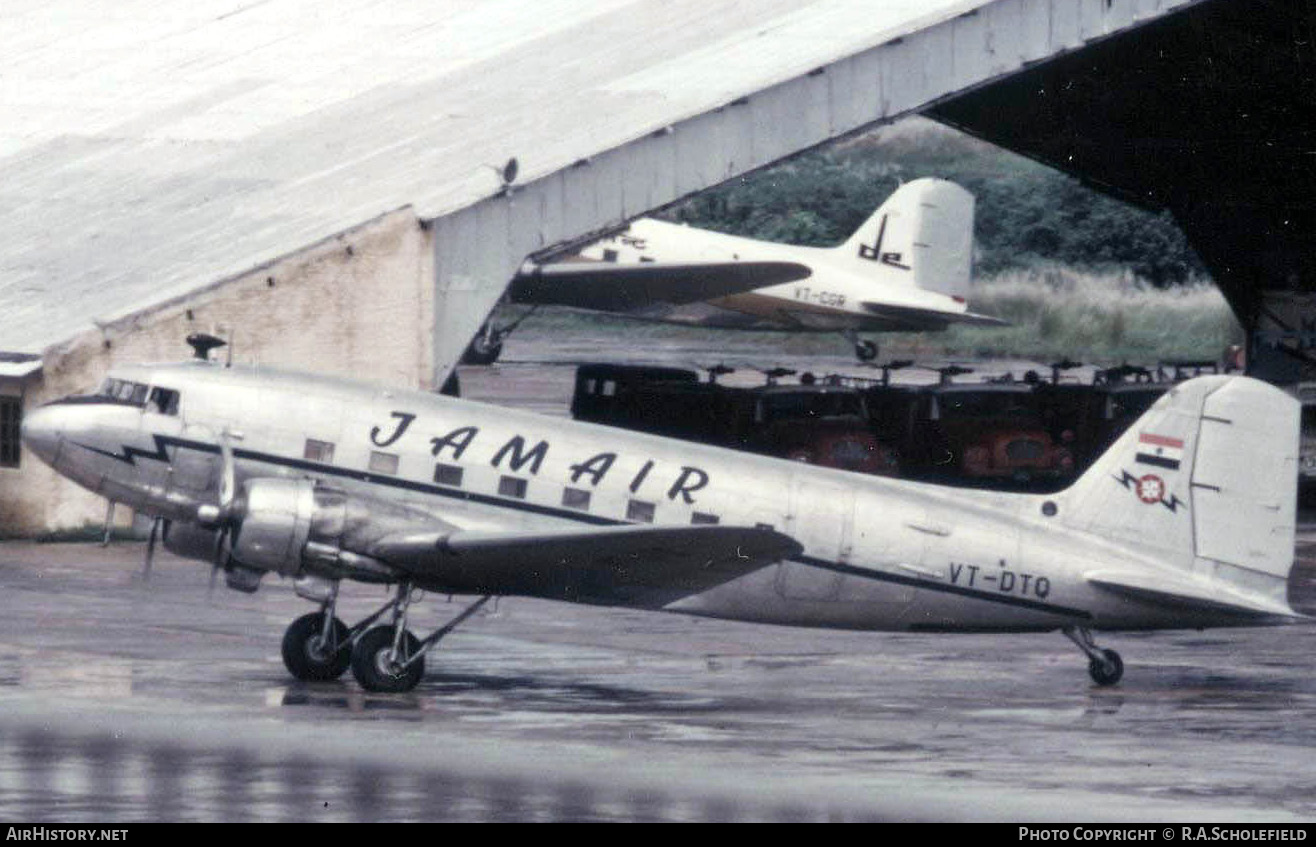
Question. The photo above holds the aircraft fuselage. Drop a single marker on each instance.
(879, 554)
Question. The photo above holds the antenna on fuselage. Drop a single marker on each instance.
(202, 343)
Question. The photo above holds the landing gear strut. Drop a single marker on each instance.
(318, 647)
(485, 347)
(390, 658)
(1105, 666)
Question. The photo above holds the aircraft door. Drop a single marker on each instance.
(191, 473)
(822, 519)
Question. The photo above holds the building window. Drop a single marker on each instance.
(575, 498)
(703, 517)
(638, 510)
(11, 421)
(319, 451)
(448, 475)
(510, 486)
(383, 462)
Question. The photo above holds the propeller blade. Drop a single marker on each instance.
(150, 549)
(220, 558)
(228, 479)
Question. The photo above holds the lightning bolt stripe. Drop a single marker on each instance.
(131, 454)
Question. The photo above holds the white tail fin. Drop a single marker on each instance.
(922, 236)
(1205, 481)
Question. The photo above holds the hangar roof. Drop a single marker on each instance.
(149, 148)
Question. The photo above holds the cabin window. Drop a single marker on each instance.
(575, 498)
(704, 517)
(448, 475)
(383, 462)
(319, 451)
(11, 420)
(510, 486)
(609, 255)
(609, 388)
(639, 511)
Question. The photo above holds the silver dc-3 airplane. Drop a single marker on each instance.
(907, 268)
(1186, 522)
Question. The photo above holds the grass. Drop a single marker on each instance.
(1102, 317)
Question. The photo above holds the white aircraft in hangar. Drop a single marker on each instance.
(1186, 522)
(907, 268)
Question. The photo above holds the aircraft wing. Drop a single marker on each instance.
(1184, 592)
(908, 318)
(644, 566)
(613, 287)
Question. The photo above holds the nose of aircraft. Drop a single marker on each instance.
(41, 432)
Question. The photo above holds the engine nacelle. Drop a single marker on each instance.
(276, 516)
(300, 526)
(189, 541)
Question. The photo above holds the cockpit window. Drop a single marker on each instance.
(125, 391)
(139, 394)
(163, 400)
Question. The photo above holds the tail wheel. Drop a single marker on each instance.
(306, 653)
(1108, 670)
(373, 665)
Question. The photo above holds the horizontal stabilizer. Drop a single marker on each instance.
(610, 286)
(628, 565)
(1183, 591)
(907, 318)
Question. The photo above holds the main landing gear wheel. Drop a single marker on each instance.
(1108, 669)
(374, 665)
(865, 350)
(308, 655)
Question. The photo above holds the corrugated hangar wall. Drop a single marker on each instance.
(478, 248)
(418, 292)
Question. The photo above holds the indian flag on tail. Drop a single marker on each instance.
(1160, 450)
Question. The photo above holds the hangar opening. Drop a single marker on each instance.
(1208, 113)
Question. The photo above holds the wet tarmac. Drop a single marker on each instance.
(131, 700)
(123, 699)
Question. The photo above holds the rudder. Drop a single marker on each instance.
(922, 236)
(1205, 481)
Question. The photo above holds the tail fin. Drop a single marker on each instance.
(922, 235)
(1206, 482)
